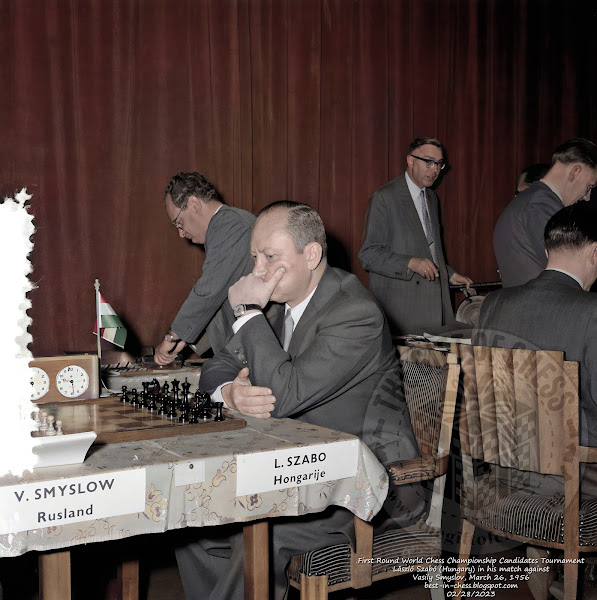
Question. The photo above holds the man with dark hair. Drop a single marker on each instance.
(552, 311)
(529, 175)
(325, 358)
(518, 234)
(402, 249)
(197, 211)
(555, 312)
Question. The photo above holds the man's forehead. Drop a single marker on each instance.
(428, 151)
(269, 232)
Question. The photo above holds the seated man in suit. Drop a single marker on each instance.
(327, 358)
(555, 312)
(196, 209)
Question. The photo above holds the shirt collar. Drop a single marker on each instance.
(567, 273)
(415, 191)
(299, 309)
(552, 188)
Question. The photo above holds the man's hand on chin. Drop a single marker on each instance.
(251, 289)
(248, 399)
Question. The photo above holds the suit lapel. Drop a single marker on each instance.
(326, 289)
(409, 209)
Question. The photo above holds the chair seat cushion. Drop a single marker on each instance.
(389, 550)
(535, 517)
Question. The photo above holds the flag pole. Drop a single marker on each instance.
(98, 320)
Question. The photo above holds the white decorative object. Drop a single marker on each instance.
(16, 424)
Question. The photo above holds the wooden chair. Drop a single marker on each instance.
(521, 411)
(430, 386)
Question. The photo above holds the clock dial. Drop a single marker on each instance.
(72, 381)
(40, 383)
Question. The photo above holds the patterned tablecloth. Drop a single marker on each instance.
(212, 502)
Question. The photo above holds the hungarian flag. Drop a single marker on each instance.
(111, 325)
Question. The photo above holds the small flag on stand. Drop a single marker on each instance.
(112, 329)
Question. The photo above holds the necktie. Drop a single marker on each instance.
(427, 226)
(288, 328)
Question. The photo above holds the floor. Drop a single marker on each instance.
(160, 579)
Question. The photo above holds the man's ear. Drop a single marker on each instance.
(195, 203)
(593, 253)
(313, 253)
(574, 172)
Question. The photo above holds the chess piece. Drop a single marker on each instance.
(164, 399)
(50, 422)
(43, 421)
(35, 417)
(151, 405)
(219, 415)
(59, 427)
(123, 397)
(134, 398)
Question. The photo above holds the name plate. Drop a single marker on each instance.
(51, 503)
(292, 467)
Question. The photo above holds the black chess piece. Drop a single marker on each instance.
(151, 405)
(164, 399)
(156, 387)
(124, 397)
(135, 398)
(144, 394)
(219, 415)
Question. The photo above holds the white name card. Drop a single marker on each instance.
(63, 501)
(188, 473)
(292, 467)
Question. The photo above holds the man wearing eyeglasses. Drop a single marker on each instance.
(196, 209)
(402, 249)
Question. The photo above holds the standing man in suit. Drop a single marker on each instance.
(403, 251)
(555, 312)
(518, 234)
(196, 209)
(328, 359)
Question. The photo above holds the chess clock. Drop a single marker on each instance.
(63, 378)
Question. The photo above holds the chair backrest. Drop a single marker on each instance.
(427, 374)
(520, 408)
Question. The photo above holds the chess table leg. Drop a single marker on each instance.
(54, 575)
(128, 580)
(256, 560)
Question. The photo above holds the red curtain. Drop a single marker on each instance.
(101, 102)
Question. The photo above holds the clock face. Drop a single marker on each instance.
(40, 383)
(72, 381)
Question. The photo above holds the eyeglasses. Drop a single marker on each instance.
(175, 221)
(431, 163)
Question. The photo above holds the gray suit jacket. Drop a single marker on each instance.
(393, 235)
(227, 258)
(340, 371)
(551, 312)
(518, 235)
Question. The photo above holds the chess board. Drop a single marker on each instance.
(114, 421)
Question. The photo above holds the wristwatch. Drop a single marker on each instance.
(171, 339)
(240, 309)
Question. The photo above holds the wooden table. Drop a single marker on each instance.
(213, 501)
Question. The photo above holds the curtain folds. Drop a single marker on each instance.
(102, 102)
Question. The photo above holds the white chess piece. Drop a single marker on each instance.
(59, 427)
(43, 421)
(51, 430)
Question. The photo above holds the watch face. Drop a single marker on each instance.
(72, 381)
(40, 383)
(239, 310)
